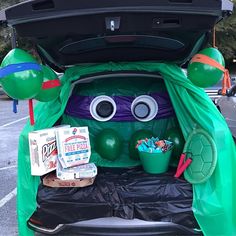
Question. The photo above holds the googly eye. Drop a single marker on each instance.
(144, 108)
(102, 108)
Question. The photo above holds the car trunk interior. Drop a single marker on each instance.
(121, 189)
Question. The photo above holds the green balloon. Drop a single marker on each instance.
(204, 75)
(21, 85)
(108, 144)
(175, 135)
(140, 134)
(46, 95)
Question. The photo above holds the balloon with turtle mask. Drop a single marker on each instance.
(22, 78)
(207, 68)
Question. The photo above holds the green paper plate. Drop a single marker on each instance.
(202, 149)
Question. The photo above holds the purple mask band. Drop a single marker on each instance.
(78, 106)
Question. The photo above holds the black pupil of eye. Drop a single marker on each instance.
(141, 110)
(104, 109)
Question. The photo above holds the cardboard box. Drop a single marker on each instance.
(77, 172)
(43, 150)
(73, 146)
(51, 180)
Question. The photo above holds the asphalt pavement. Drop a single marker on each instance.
(11, 125)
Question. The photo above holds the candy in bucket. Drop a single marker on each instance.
(155, 155)
(154, 145)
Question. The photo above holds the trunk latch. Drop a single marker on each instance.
(112, 23)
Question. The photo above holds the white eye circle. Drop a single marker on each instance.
(144, 108)
(102, 108)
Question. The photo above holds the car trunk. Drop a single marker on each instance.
(180, 104)
(93, 42)
(122, 188)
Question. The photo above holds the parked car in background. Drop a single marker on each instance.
(227, 106)
(214, 92)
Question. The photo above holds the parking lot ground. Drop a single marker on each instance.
(11, 125)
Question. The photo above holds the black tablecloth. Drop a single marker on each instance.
(125, 193)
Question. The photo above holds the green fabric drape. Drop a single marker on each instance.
(213, 203)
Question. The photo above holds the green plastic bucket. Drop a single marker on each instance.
(155, 163)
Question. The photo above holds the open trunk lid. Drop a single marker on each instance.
(88, 31)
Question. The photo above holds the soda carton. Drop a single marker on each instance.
(43, 150)
(73, 146)
(84, 171)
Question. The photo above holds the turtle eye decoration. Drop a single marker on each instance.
(144, 108)
(120, 108)
(102, 108)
